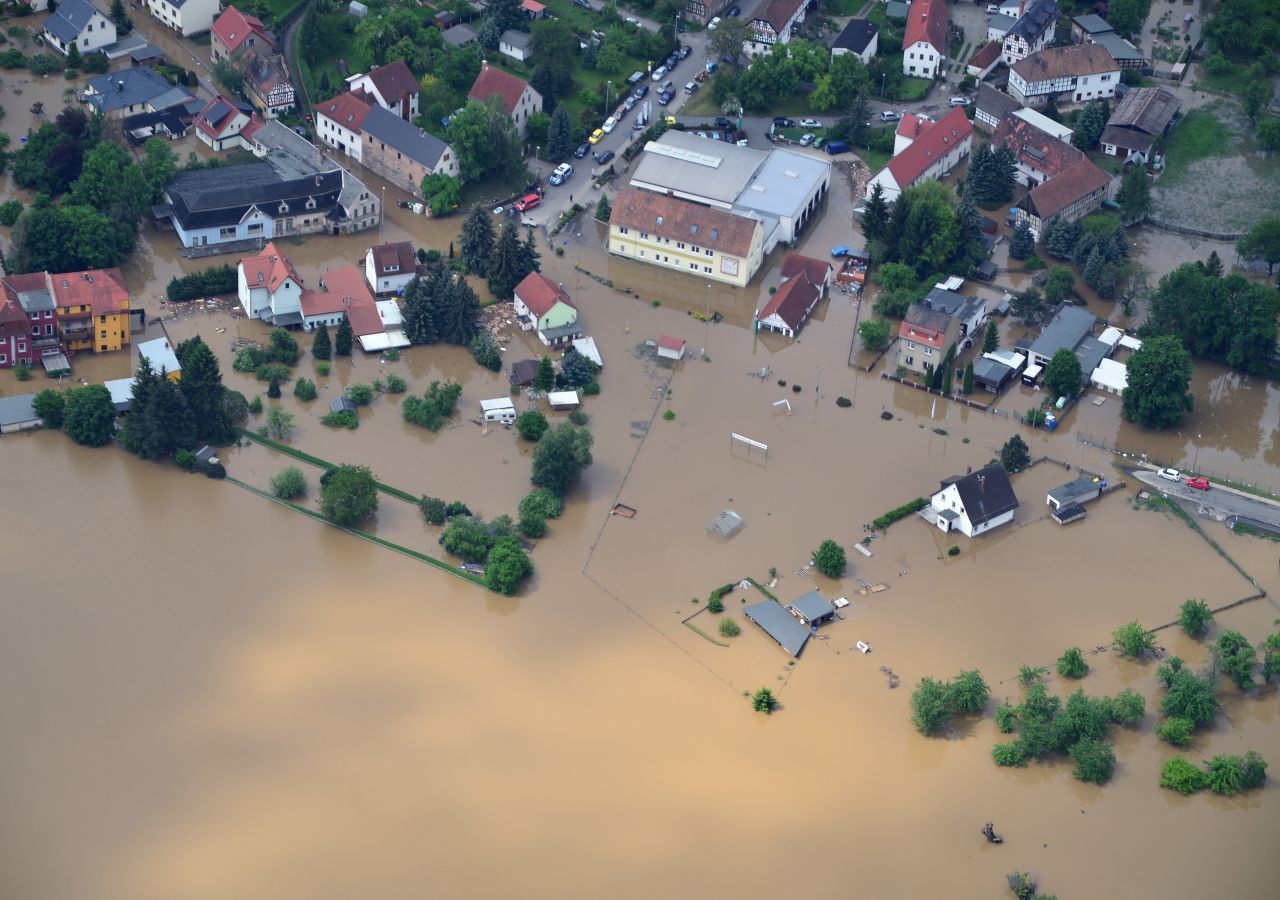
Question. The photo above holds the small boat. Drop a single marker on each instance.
(621, 509)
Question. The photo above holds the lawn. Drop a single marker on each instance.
(1197, 136)
(913, 89)
(1232, 81)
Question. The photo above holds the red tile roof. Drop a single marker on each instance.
(493, 81)
(321, 303)
(540, 294)
(927, 22)
(268, 269)
(216, 116)
(919, 332)
(1035, 148)
(347, 110)
(986, 56)
(533, 6)
(349, 283)
(779, 12)
(233, 26)
(680, 220)
(394, 81)
(102, 290)
(816, 270)
(11, 311)
(791, 302)
(912, 126)
(399, 254)
(670, 343)
(930, 144)
(1073, 183)
(364, 319)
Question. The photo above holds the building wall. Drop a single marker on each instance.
(691, 259)
(406, 109)
(97, 32)
(1095, 87)
(340, 137)
(921, 60)
(529, 103)
(512, 51)
(399, 169)
(865, 55)
(194, 17)
(387, 284)
(278, 101)
(921, 358)
(256, 225)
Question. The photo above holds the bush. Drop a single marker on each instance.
(1195, 617)
(9, 212)
(1230, 775)
(248, 358)
(1071, 664)
(669, 415)
(283, 348)
(830, 559)
(457, 508)
(930, 707)
(270, 371)
(360, 394)
(210, 282)
(795, 389)
(1190, 696)
(1176, 731)
(579, 417)
(542, 503)
(1132, 640)
(484, 350)
(304, 389)
(50, 405)
(345, 418)
(968, 694)
(432, 509)
(532, 526)
(506, 566)
(322, 369)
(907, 509)
(1009, 753)
(590, 389)
(1007, 717)
(1128, 707)
(396, 384)
(875, 334)
(22, 372)
(467, 537)
(1235, 658)
(764, 701)
(887, 416)
(216, 471)
(255, 405)
(273, 389)
(186, 460)
(844, 402)
(715, 605)
(729, 628)
(953, 550)
(531, 425)
(1095, 760)
(349, 496)
(432, 408)
(1182, 776)
(289, 483)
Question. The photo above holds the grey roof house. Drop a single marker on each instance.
(860, 37)
(18, 413)
(134, 90)
(812, 609)
(81, 23)
(973, 504)
(779, 625)
(1070, 327)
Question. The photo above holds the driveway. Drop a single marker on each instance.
(1217, 503)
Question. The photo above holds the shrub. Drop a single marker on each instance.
(532, 526)
(1095, 760)
(289, 483)
(360, 394)
(1235, 657)
(432, 408)
(1178, 774)
(1132, 640)
(590, 389)
(506, 566)
(764, 701)
(349, 496)
(345, 418)
(968, 694)
(273, 372)
(669, 415)
(304, 389)
(579, 417)
(795, 389)
(22, 372)
(1195, 617)
(930, 707)
(541, 502)
(531, 425)
(1029, 675)
(255, 405)
(186, 460)
(1009, 753)
(953, 550)
(844, 402)
(279, 423)
(715, 605)
(1128, 707)
(322, 369)
(457, 508)
(9, 212)
(467, 537)
(1176, 731)
(907, 509)
(209, 282)
(886, 415)
(396, 384)
(283, 348)
(432, 509)
(1071, 664)
(1007, 717)
(1230, 775)
(729, 628)
(830, 559)
(273, 389)
(1190, 696)
(215, 470)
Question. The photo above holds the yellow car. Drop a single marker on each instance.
(596, 136)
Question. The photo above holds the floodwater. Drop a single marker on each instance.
(205, 694)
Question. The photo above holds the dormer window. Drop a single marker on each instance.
(311, 203)
(393, 268)
(284, 207)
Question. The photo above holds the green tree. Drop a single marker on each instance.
(475, 246)
(1270, 657)
(729, 628)
(875, 217)
(505, 271)
(1095, 761)
(433, 408)
(1182, 776)
(764, 701)
(727, 39)
(991, 337)
(432, 509)
(968, 693)
(467, 537)
(360, 394)
(344, 338)
(1134, 196)
(1188, 696)
(531, 425)
(279, 423)
(90, 416)
(1176, 731)
(1132, 640)
(1235, 658)
(227, 75)
(1023, 243)
(419, 301)
(443, 193)
(603, 210)
(1062, 377)
(560, 134)
(1159, 377)
(1262, 242)
(349, 496)
(484, 139)
(541, 502)
(1267, 135)
(1059, 285)
(1195, 617)
(1015, 455)
(484, 350)
(1090, 123)
(1193, 303)
(1060, 237)
(1071, 664)
(506, 566)
(1258, 91)
(321, 348)
(930, 707)
(273, 388)
(73, 56)
(120, 18)
(1029, 306)
(560, 457)
(1231, 775)
(545, 379)
(457, 312)
(830, 560)
(923, 231)
(289, 483)
(305, 390)
(201, 386)
(967, 385)
(874, 332)
(1127, 16)
(50, 405)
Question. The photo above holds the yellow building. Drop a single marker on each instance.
(92, 309)
(688, 237)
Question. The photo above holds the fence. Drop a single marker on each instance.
(1225, 237)
(1225, 478)
(972, 404)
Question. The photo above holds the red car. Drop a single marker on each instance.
(1200, 484)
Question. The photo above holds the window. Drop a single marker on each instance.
(910, 346)
(693, 266)
(224, 233)
(680, 245)
(644, 236)
(3, 359)
(911, 360)
(102, 319)
(710, 253)
(103, 335)
(48, 329)
(696, 248)
(1106, 77)
(706, 269)
(35, 329)
(928, 351)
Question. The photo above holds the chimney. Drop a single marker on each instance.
(982, 483)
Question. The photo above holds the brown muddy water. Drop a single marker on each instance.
(204, 694)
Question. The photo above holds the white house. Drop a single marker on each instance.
(860, 37)
(774, 23)
(804, 283)
(340, 123)
(542, 305)
(1033, 31)
(187, 17)
(220, 123)
(935, 149)
(975, 503)
(515, 44)
(924, 43)
(160, 354)
(1075, 74)
(392, 87)
(269, 287)
(517, 96)
(81, 23)
(389, 267)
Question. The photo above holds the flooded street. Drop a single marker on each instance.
(207, 695)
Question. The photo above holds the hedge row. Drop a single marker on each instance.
(217, 280)
(907, 509)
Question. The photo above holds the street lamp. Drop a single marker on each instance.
(1195, 463)
(607, 85)
(382, 212)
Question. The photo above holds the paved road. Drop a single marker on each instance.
(1216, 503)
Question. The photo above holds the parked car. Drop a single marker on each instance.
(722, 122)
(596, 136)
(670, 61)
(685, 50)
(889, 116)
(641, 92)
(806, 139)
(582, 151)
(668, 85)
(604, 157)
(734, 10)
(583, 3)
(658, 73)
(713, 24)
(561, 174)
(629, 103)
(959, 101)
(665, 97)
(993, 8)
(609, 124)
(527, 202)
(710, 67)
(1170, 474)
(841, 250)
(690, 87)
(836, 147)
(783, 122)
(810, 123)
(681, 28)
(1200, 484)
(632, 20)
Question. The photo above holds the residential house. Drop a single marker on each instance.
(172, 124)
(81, 23)
(130, 91)
(1084, 29)
(676, 234)
(392, 87)
(390, 267)
(186, 17)
(1070, 327)
(160, 354)
(774, 23)
(1077, 491)
(533, 9)
(403, 153)
(34, 299)
(976, 503)
(923, 338)
(924, 43)
(376, 324)
(991, 106)
(1074, 74)
(517, 97)
(1077, 191)
(804, 283)
(969, 312)
(233, 30)
(861, 37)
(702, 11)
(219, 124)
(15, 328)
(267, 84)
(269, 287)
(1033, 31)
(1001, 24)
(996, 369)
(1140, 119)
(340, 123)
(542, 305)
(1123, 53)
(934, 149)
(92, 309)
(982, 62)
(812, 609)
(1038, 154)
(18, 413)
(516, 44)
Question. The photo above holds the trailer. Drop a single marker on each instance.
(500, 409)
